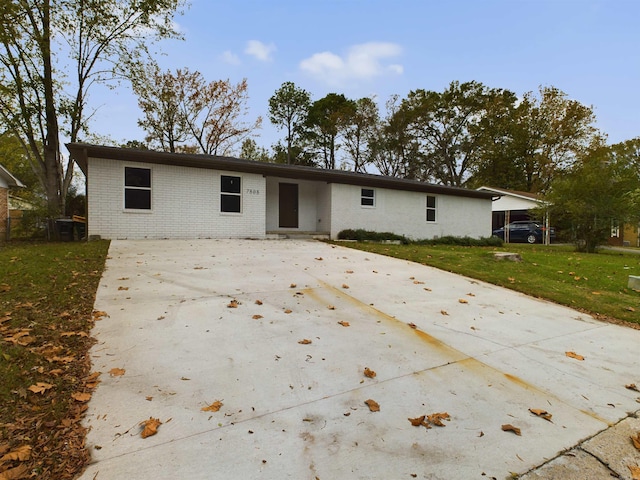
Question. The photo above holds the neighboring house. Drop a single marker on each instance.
(7, 181)
(136, 194)
(511, 206)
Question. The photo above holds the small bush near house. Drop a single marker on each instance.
(462, 241)
(361, 235)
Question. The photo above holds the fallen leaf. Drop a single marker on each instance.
(369, 373)
(304, 341)
(632, 386)
(149, 398)
(258, 302)
(416, 422)
(635, 472)
(20, 454)
(287, 311)
(98, 314)
(343, 323)
(257, 317)
(630, 309)
(16, 473)
(331, 307)
(40, 387)
(541, 413)
(462, 300)
(596, 293)
(373, 405)
(471, 294)
(444, 312)
(344, 285)
(349, 271)
(214, 407)
(512, 280)
(123, 288)
(117, 372)
(436, 418)
(233, 304)
(574, 355)
(150, 427)
(319, 258)
(293, 285)
(412, 325)
(636, 441)
(124, 278)
(510, 428)
(427, 289)
(418, 282)
(4, 287)
(81, 397)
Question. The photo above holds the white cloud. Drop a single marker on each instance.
(230, 58)
(259, 50)
(361, 62)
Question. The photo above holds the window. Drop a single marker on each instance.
(431, 208)
(231, 196)
(367, 197)
(137, 188)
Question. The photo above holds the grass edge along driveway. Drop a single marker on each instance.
(47, 292)
(592, 283)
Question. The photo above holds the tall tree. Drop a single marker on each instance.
(93, 40)
(288, 109)
(251, 151)
(359, 125)
(325, 123)
(447, 124)
(550, 132)
(184, 112)
(160, 97)
(394, 151)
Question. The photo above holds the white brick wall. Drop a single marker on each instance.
(185, 204)
(312, 205)
(404, 213)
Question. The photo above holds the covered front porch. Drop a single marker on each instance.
(297, 208)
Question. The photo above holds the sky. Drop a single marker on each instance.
(589, 49)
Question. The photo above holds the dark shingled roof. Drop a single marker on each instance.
(80, 152)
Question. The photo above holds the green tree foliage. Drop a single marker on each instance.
(324, 124)
(288, 110)
(251, 151)
(358, 132)
(526, 142)
(447, 126)
(42, 40)
(598, 191)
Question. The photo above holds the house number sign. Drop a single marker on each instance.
(252, 191)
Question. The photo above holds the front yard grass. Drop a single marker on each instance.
(47, 291)
(592, 283)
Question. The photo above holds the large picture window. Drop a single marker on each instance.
(431, 208)
(137, 188)
(368, 197)
(230, 194)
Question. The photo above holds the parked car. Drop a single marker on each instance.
(525, 231)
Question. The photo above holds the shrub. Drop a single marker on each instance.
(365, 235)
(361, 235)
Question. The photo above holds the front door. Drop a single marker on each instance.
(288, 208)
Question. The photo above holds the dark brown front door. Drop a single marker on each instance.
(288, 205)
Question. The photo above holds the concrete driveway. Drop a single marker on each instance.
(256, 326)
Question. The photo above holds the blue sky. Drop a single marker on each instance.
(590, 49)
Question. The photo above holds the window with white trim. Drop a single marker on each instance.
(137, 188)
(368, 197)
(230, 194)
(431, 208)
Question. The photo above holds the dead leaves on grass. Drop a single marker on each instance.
(19, 454)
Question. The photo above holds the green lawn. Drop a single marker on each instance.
(593, 283)
(47, 291)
